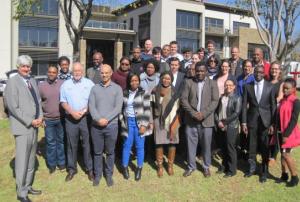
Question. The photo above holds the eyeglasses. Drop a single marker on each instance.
(212, 61)
(125, 64)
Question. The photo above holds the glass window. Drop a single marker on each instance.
(213, 22)
(218, 41)
(236, 25)
(33, 36)
(43, 37)
(187, 20)
(23, 37)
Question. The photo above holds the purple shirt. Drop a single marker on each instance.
(50, 98)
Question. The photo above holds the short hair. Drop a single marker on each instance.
(211, 42)
(291, 81)
(156, 50)
(201, 49)
(125, 58)
(214, 58)
(173, 42)
(63, 58)
(129, 77)
(246, 61)
(224, 60)
(276, 63)
(24, 60)
(199, 64)
(232, 80)
(172, 59)
(186, 50)
(166, 73)
(97, 53)
(151, 61)
(165, 46)
(52, 66)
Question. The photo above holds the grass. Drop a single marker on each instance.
(150, 188)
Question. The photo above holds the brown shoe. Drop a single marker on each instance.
(90, 175)
(171, 157)
(159, 159)
(206, 173)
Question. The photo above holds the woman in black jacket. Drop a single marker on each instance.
(227, 121)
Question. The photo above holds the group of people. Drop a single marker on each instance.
(158, 98)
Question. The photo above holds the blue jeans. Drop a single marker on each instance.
(55, 153)
(133, 136)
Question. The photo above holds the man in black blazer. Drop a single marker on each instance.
(257, 119)
(178, 81)
(235, 62)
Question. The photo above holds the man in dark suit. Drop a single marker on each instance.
(199, 99)
(22, 99)
(257, 119)
(178, 81)
(93, 73)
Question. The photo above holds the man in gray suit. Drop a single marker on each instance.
(23, 102)
(199, 99)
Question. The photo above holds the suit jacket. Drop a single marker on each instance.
(239, 67)
(233, 111)
(209, 102)
(179, 82)
(21, 105)
(265, 108)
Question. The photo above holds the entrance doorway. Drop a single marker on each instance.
(106, 47)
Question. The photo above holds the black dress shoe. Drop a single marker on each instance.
(109, 181)
(263, 179)
(34, 191)
(24, 199)
(90, 175)
(187, 172)
(248, 174)
(221, 170)
(284, 178)
(125, 173)
(138, 174)
(294, 181)
(96, 181)
(70, 176)
(52, 170)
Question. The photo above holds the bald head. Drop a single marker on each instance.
(106, 73)
(258, 55)
(148, 46)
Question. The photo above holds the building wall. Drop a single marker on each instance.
(6, 38)
(246, 36)
(228, 19)
(168, 17)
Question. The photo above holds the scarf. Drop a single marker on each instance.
(285, 113)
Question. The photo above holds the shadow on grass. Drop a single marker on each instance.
(13, 170)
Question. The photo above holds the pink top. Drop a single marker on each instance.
(221, 81)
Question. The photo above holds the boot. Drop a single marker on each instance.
(138, 174)
(159, 160)
(126, 173)
(171, 157)
(294, 181)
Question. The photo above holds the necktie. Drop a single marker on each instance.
(31, 89)
(258, 92)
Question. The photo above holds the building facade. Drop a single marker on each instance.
(190, 22)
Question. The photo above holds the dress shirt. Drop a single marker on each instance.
(200, 89)
(76, 93)
(175, 79)
(258, 88)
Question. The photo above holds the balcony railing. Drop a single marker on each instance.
(214, 29)
(106, 25)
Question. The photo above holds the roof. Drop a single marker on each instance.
(210, 6)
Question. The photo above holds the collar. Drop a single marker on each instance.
(74, 81)
(109, 84)
(51, 82)
(259, 82)
(133, 92)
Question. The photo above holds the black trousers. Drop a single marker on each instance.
(228, 146)
(75, 129)
(258, 141)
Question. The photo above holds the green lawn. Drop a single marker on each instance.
(150, 188)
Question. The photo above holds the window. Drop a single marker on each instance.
(236, 25)
(144, 28)
(188, 31)
(213, 23)
(47, 7)
(38, 32)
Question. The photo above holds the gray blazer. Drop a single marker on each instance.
(209, 103)
(20, 105)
